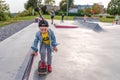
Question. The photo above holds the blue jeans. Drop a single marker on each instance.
(46, 51)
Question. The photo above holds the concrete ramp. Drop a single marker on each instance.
(93, 26)
(88, 19)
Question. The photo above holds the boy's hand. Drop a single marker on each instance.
(55, 49)
(34, 53)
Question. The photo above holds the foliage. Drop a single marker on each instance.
(87, 10)
(49, 2)
(80, 13)
(114, 7)
(75, 14)
(4, 11)
(44, 9)
(63, 4)
(59, 12)
(110, 16)
(31, 3)
(26, 13)
(105, 19)
(96, 8)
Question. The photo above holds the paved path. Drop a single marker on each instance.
(83, 54)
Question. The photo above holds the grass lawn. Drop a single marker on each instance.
(18, 19)
(45, 16)
(58, 17)
(108, 20)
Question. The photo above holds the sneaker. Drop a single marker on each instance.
(43, 65)
(49, 68)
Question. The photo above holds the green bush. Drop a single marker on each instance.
(72, 14)
(59, 12)
(26, 13)
(100, 16)
(88, 14)
(110, 16)
(4, 16)
(75, 14)
(46, 12)
(79, 14)
(7, 17)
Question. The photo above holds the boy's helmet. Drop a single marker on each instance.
(43, 23)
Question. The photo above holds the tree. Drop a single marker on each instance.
(96, 8)
(114, 7)
(87, 10)
(35, 4)
(44, 9)
(105, 10)
(4, 11)
(63, 4)
(49, 2)
(31, 4)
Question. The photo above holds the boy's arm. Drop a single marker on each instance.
(54, 43)
(35, 43)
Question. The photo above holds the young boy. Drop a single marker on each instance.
(48, 44)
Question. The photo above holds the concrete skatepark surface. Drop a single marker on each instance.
(83, 54)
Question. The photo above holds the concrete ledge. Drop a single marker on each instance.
(21, 72)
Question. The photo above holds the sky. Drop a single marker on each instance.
(18, 5)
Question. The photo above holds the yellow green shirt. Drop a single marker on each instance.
(45, 38)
